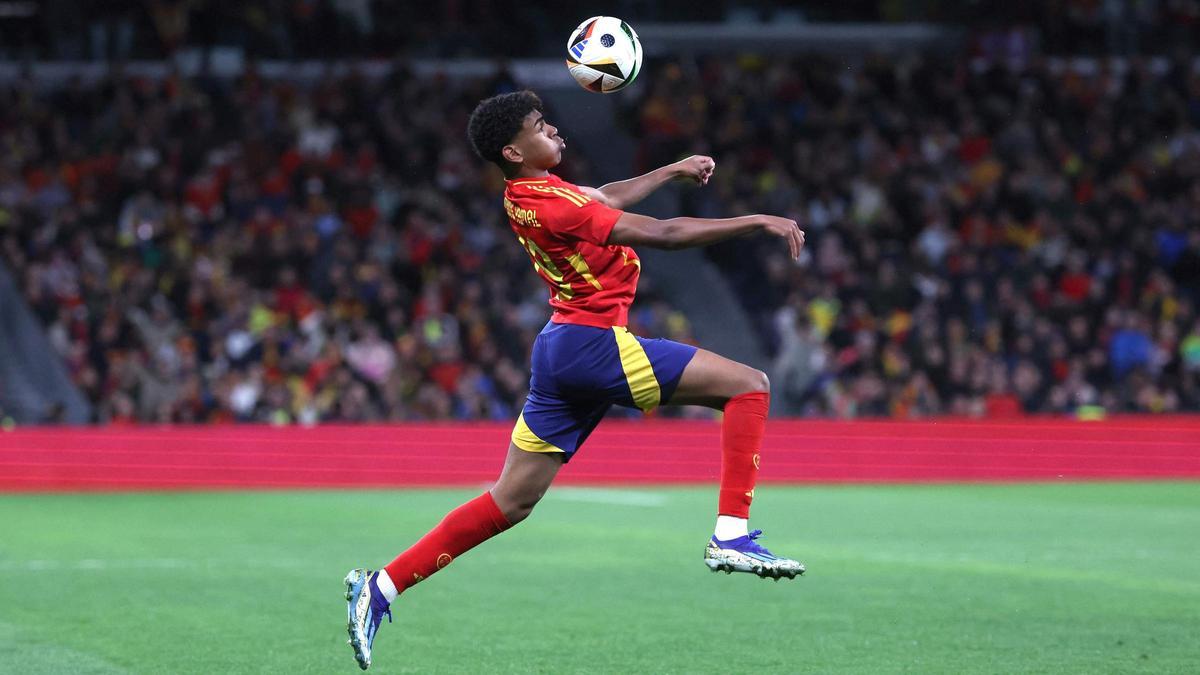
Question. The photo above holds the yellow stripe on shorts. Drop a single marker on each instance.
(524, 438)
(638, 371)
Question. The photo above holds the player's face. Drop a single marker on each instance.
(540, 145)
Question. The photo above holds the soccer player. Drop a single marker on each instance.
(585, 359)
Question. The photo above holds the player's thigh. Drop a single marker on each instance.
(711, 380)
(524, 480)
(526, 471)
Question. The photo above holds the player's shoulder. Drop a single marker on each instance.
(550, 190)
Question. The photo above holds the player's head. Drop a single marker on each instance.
(510, 131)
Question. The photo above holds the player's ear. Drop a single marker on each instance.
(512, 153)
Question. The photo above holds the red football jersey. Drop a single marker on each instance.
(564, 231)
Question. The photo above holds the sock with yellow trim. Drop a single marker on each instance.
(741, 440)
(461, 530)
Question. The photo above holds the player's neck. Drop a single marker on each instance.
(525, 172)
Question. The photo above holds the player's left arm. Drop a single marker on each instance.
(623, 194)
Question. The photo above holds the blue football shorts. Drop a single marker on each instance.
(579, 372)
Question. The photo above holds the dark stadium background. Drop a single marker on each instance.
(262, 320)
(268, 212)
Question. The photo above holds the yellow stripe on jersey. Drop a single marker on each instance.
(581, 266)
(643, 385)
(524, 438)
(542, 261)
(573, 197)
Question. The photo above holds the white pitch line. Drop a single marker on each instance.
(99, 565)
(603, 496)
(93, 564)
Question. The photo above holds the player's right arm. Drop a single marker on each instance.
(632, 229)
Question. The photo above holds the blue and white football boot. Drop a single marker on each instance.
(743, 554)
(365, 609)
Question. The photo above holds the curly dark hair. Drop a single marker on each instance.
(496, 121)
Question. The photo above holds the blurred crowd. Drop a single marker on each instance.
(255, 250)
(306, 29)
(981, 241)
(323, 29)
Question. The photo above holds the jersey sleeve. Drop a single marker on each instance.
(576, 216)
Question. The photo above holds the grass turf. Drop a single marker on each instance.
(978, 578)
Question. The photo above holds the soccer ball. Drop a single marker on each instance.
(603, 54)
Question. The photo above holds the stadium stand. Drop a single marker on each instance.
(255, 250)
(156, 29)
(981, 240)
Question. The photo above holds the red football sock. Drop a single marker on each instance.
(741, 441)
(461, 530)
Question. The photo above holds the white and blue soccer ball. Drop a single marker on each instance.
(604, 54)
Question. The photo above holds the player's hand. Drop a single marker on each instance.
(788, 229)
(697, 167)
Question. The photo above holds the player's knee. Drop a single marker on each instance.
(756, 381)
(518, 512)
(517, 507)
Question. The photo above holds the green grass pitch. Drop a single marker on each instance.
(1084, 578)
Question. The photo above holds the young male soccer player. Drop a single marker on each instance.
(585, 359)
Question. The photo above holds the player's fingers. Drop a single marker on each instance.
(793, 246)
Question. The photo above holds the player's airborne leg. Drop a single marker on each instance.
(522, 482)
(744, 394)
(585, 360)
